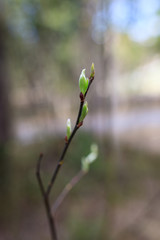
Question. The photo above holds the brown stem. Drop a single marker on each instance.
(46, 200)
(60, 161)
(90, 82)
(67, 189)
(50, 218)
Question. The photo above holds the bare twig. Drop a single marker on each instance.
(46, 200)
(60, 161)
(67, 189)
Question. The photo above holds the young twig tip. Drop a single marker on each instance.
(84, 85)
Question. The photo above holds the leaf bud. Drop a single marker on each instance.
(83, 82)
(68, 128)
(84, 112)
(92, 71)
(86, 161)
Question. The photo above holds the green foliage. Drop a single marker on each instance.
(47, 28)
(60, 18)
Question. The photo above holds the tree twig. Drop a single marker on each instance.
(67, 189)
(46, 200)
(76, 127)
(46, 193)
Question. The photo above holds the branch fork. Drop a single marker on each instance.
(46, 192)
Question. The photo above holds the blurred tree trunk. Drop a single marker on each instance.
(4, 121)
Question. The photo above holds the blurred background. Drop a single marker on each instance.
(44, 45)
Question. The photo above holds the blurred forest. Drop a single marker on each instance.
(44, 45)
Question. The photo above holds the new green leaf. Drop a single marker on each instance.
(83, 82)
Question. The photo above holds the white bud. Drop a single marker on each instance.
(68, 128)
(86, 161)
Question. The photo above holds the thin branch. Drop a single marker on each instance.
(80, 111)
(60, 161)
(76, 127)
(50, 218)
(38, 168)
(46, 200)
(67, 189)
(45, 193)
(90, 82)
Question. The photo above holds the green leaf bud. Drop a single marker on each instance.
(84, 165)
(68, 128)
(84, 111)
(94, 148)
(83, 82)
(85, 162)
(92, 70)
